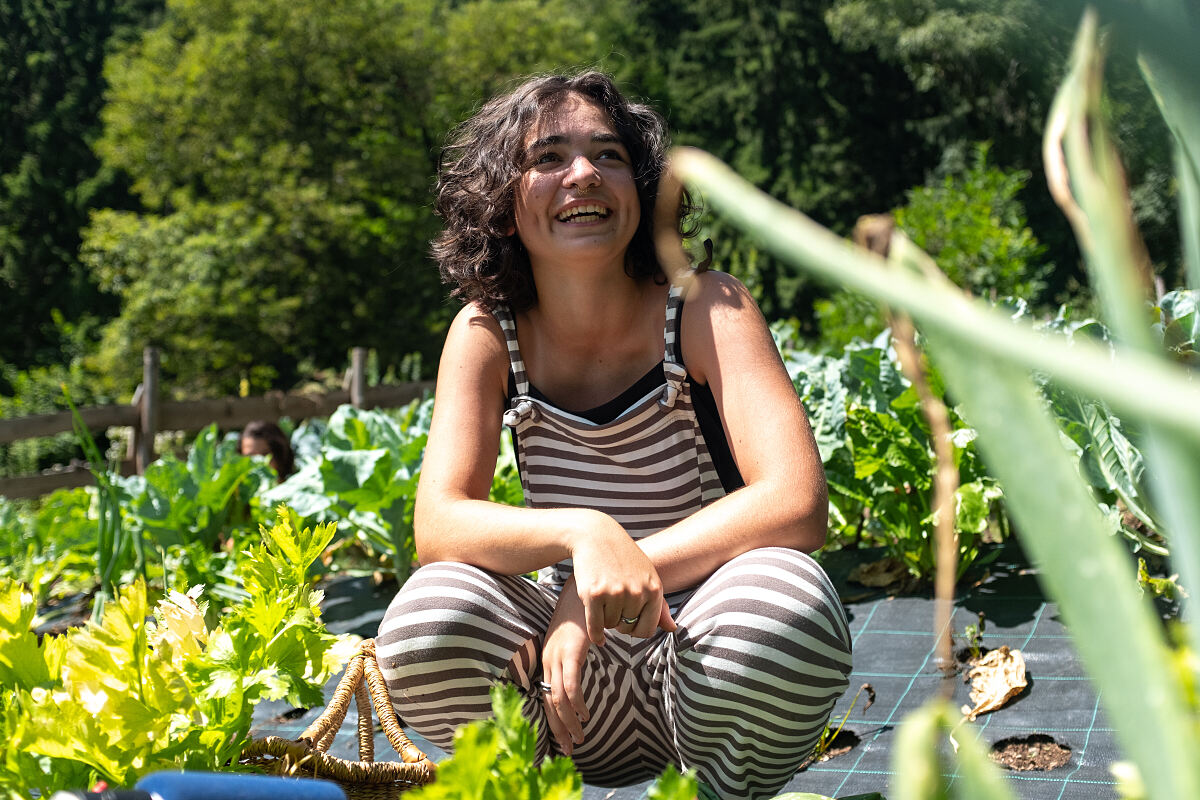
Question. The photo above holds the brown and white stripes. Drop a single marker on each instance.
(740, 692)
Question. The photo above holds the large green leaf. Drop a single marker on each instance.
(1085, 569)
(1099, 211)
(986, 360)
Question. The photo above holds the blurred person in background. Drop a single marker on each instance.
(263, 438)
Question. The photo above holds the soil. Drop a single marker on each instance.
(1035, 752)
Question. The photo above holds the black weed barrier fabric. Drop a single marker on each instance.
(894, 652)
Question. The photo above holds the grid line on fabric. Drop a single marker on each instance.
(1083, 751)
(879, 732)
(888, 722)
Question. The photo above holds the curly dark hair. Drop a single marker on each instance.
(477, 252)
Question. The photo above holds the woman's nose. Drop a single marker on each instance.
(583, 173)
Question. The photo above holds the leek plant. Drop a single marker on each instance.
(989, 363)
(112, 540)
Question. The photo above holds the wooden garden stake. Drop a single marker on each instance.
(875, 232)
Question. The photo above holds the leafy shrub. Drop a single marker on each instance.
(50, 546)
(972, 224)
(361, 470)
(126, 696)
(1178, 325)
(1110, 452)
(970, 220)
(878, 456)
(194, 513)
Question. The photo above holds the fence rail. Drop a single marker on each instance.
(146, 416)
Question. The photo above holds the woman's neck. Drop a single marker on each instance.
(587, 340)
(583, 305)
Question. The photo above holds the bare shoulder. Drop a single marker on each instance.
(721, 322)
(475, 350)
(718, 292)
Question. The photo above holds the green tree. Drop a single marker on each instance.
(987, 70)
(768, 90)
(973, 224)
(51, 91)
(285, 152)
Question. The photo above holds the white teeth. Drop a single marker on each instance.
(582, 211)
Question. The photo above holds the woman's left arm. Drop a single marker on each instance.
(726, 344)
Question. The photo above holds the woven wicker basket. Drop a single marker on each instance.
(365, 778)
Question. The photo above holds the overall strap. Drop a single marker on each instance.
(509, 326)
(521, 408)
(672, 351)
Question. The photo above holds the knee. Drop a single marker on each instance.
(777, 596)
(441, 596)
(444, 610)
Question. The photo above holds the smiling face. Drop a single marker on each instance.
(576, 198)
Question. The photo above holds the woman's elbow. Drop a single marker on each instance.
(809, 517)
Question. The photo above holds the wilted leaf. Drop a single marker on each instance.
(995, 678)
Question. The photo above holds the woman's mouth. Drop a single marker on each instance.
(585, 213)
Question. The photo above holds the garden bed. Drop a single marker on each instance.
(894, 652)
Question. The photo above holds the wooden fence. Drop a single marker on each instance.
(147, 415)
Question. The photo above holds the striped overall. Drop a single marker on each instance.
(739, 693)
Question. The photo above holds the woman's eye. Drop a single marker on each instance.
(616, 154)
(546, 158)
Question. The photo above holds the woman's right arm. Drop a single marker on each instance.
(454, 520)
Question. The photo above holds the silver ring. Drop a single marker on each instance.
(543, 687)
(631, 620)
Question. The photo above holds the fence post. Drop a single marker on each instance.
(135, 431)
(149, 415)
(358, 376)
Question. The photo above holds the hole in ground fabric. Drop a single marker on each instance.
(966, 657)
(843, 743)
(1035, 752)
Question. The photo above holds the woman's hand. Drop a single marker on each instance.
(563, 655)
(616, 583)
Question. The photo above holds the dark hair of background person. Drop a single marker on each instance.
(477, 251)
(282, 458)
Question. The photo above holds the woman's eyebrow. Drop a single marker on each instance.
(557, 138)
(546, 141)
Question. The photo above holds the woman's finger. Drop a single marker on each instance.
(558, 728)
(629, 620)
(647, 622)
(573, 689)
(593, 614)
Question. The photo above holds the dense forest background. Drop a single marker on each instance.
(248, 183)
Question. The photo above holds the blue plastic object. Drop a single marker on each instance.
(233, 786)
